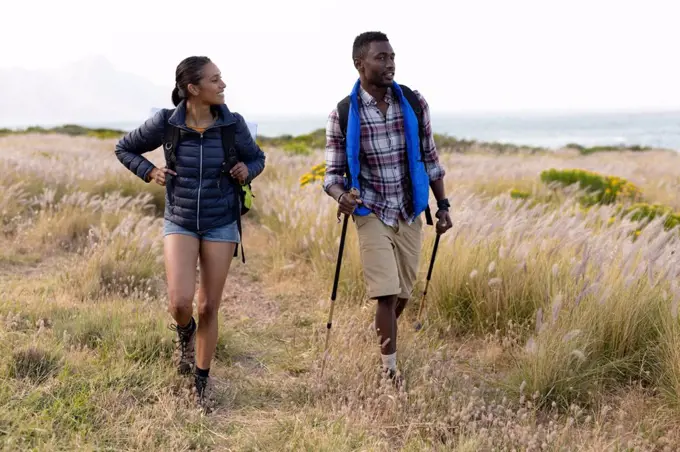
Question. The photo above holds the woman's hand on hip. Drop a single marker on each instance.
(158, 175)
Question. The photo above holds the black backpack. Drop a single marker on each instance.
(343, 113)
(171, 137)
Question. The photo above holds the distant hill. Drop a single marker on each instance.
(89, 91)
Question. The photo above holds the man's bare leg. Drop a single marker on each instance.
(401, 304)
(386, 328)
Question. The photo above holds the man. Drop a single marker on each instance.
(379, 151)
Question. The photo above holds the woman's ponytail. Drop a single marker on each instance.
(176, 97)
(189, 71)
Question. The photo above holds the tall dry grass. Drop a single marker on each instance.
(589, 296)
(548, 326)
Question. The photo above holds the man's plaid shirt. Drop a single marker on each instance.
(383, 159)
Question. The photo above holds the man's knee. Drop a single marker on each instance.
(389, 301)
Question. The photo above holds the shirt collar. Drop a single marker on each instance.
(369, 100)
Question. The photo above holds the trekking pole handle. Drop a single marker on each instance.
(352, 193)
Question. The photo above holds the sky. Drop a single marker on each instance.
(294, 57)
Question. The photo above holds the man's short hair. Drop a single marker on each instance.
(362, 42)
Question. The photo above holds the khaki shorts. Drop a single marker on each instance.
(389, 255)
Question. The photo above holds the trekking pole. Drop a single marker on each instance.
(354, 193)
(418, 325)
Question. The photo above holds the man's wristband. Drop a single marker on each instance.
(443, 204)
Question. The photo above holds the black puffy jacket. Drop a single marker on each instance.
(196, 198)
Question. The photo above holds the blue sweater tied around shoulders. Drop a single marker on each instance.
(419, 178)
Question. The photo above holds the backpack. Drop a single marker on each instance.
(343, 113)
(171, 138)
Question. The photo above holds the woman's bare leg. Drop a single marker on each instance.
(215, 258)
(181, 255)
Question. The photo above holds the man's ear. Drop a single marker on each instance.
(358, 64)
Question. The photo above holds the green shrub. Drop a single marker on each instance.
(297, 148)
(594, 149)
(574, 146)
(73, 130)
(105, 133)
(453, 144)
(313, 140)
(583, 150)
(645, 213)
(599, 189)
(519, 194)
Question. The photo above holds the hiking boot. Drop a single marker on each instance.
(185, 348)
(203, 392)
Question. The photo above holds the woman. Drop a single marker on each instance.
(201, 203)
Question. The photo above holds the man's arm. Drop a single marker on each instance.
(435, 171)
(336, 166)
(438, 191)
(336, 160)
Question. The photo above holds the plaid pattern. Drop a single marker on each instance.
(383, 158)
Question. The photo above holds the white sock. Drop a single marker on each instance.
(390, 361)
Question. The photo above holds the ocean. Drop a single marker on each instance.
(656, 129)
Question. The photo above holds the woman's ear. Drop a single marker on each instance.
(193, 89)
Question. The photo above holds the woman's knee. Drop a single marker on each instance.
(208, 309)
(181, 303)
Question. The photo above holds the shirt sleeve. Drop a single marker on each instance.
(435, 170)
(336, 159)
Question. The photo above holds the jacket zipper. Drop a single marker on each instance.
(200, 176)
(200, 183)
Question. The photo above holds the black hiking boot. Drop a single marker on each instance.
(203, 392)
(185, 348)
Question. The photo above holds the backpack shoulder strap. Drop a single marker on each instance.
(417, 109)
(231, 157)
(170, 141)
(229, 142)
(413, 100)
(343, 114)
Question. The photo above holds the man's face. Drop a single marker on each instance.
(377, 67)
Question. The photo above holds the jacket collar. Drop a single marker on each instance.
(224, 116)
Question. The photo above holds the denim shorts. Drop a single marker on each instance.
(226, 233)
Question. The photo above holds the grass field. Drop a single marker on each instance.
(550, 324)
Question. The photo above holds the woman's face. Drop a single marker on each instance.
(210, 90)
